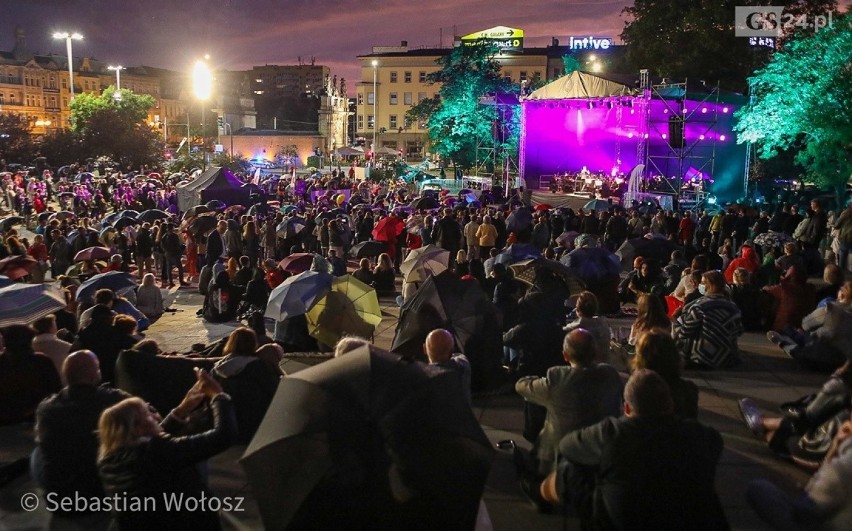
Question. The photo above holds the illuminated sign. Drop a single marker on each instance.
(590, 43)
(507, 39)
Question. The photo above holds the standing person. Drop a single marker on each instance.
(26, 376)
(251, 243)
(447, 234)
(38, 250)
(173, 252)
(144, 250)
(843, 233)
(139, 455)
(48, 344)
(216, 244)
(60, 254)
(487, 237)
(471, 230)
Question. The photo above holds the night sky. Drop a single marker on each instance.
(239, 34)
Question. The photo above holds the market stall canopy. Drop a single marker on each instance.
(580, 85)
(215, 183)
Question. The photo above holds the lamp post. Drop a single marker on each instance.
(202, 82)
(117, 70)
(375, 110)
(68, 38)
(230, 132)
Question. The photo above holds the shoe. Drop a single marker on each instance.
(531, 487)
(774, 337)
(751, 415)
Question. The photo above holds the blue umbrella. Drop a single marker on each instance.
(5, 281)
(123, 222)
(518, 252)
(215, 204)
(592, 264)
(152, 215)
(520, 220)
(298, 294)
(114, 280)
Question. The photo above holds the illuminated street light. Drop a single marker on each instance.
(202, 86)
(375, 110)
(117, 70)
(68, 38)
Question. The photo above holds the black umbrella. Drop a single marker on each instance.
(520, 220)
(528, 270)
(11, 221)
(215, 204)
(123, 222)
(592, 264)
(426, 203)
(461, 307)
(196, 210)
(658, 249)
(152, 215)
(368, 249)
(202, 224)
(44, 216)
(368, 441)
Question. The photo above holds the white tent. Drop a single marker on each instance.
(580, 85)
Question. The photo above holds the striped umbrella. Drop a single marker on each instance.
(24, 303)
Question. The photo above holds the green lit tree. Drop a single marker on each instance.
(457, 120)
(112, 124)
(803, 103)
(16, 141)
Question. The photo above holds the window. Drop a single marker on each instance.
(360, 122)
(556, 72)
(371, 98)
(65, 102)
(64, 83)
(523, 75)
(360, 99)
(1, 98)
(536, 76)
(370, 121)
(421, 96)
(406, 98)
(393, 98)
(407, 77)
(392, 122)
(393, 77)
(508, 78)
(422, 77)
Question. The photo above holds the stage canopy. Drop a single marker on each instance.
(586, 121)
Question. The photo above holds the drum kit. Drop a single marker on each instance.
(587, 183)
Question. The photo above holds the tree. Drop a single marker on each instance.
(803, 102)
(16, 142)
(696, 39)
(63, 146)
(112, 124)
(458, 123)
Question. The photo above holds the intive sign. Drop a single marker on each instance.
(589, 43)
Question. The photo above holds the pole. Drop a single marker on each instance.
(165, 130)
(231, 131)
(203, 140)
(375, 111)
(118, 78)
(188, 136)
(70, 65)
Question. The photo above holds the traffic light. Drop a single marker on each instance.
(220, 122)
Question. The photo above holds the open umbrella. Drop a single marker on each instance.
(114, 280)
(5, 281)
(414, 224)
(44, 216)
(335, 433)
(235, 209)
(598, 205)
(350, 308)
(460, 306)
(367, 249)
(541, 207)
(93, 253)
(388, 229)
(17, 266)
(658, 249)
(423, 262)
(152, 215)
(592, 264)
(203, 224)
(290, 227)
(196, 210)
(297, 294)
(526, 272)
(24, 303)
(520, 220)
(518, 252)
(11, 221)
(62, 214)
(215, 204)
(107, 235)
(772, 239)
(123, 222)
(425, 203)
(297, 262)
(289, 208)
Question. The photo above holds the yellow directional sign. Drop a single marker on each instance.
(507, 39)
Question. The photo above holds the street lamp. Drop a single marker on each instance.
(117, 70)
(202, 86)
(375, 110)
(68, 38)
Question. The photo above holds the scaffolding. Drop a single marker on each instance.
(492, 160)
(667, 168)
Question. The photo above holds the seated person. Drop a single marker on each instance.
(249, 381)
(575, 395)
(363, 272)
(825, 502)
(438, 348)
(746, 296)
(706, 331)
(139, 455)
(65, 458)
(338, 264)
(222, 300)
(790, 300)
(102, 338)
(245, 273)
(825, 336)
(646, 470)
(833, 277)
(624, 292)
(650, 315)
(26, 376)
(384, 276)
(149, 298)
(649, 280)
(790, 258)
(657, 351)
(597, 325)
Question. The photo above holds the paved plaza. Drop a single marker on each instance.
(766, 375)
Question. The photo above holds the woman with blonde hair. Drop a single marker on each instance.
(149, 298)
(140, 457)
(383, 276)
(650, 315)
(461, 266)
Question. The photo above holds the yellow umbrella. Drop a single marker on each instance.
(350, 308)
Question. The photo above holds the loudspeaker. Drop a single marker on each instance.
(676, 131)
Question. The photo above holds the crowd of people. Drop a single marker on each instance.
(596, 441)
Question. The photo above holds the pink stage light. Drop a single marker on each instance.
(724, 109)
(703, 110)
(665, 136)
(701, 137)
(722, 138)
(629, 135)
